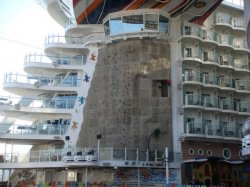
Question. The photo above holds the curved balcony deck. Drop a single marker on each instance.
(24, 84)
(39, 64)
(38, 107)
(193, 101)
(109, 157)
(212, 131)
(70, 45)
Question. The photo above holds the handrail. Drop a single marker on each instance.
(74, 39)
(38, 81)
(55, 60)
(106, 154)
(34, 129)
(39, 103)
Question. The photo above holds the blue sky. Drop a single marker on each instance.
(24, 26)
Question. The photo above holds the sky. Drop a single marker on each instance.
(24, 27)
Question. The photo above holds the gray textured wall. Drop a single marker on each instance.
(124, 103)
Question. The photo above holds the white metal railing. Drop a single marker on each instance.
(58, 39)
(37, 81)
(34, 129)
(55, 60)
(106, 153)
(39, 103)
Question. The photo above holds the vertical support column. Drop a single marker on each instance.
(167, 169)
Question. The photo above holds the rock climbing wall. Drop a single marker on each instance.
(129, 97)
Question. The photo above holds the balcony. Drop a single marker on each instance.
(109, 157)
(38, 81)
(55, 60)
(212, 131)
(223, 20)
(228, 105)
(189, 33)
(226, 61)
(211, 80)
(241, 64)
(191, 77)
(225, 40)
(244, 108)
(242, 86)
(209, 37)
(240, 46)
(38, 103)
(194, 101)
(227, 83)
(34, 129)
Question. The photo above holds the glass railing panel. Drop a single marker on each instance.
(191, 31)
(226, 60)
(211, 102)
(131, 154)
(242, 85)
(119, 154)
(223, 18)
(192, 76)
(42, 81)
(214, 130)
(106, 153)
(210, 79)
(244, 107)
(224, 39)
(194, 128)
(238, 23)
(230, 131)
(43, 103)
(40, 58)
(209, 35)
(228, 104)
(241, 64)
(226, 82)
(191, 99)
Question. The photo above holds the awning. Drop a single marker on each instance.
(233, 161)
(195, 160)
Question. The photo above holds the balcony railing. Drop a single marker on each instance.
(106, 154)
(226, 40)
(192, 76)
(193, 100)
(241, 63)
(223, 18)
(244, 107)
(243, 85)
(226, 82)
(34, 129)
(55, 60)
(38, 81)
(57, 39)
(39, 103)
(202, 129)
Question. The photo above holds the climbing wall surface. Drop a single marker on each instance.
(129, 97)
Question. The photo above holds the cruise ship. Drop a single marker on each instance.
(136, 93)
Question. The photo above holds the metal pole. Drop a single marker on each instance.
(98, 150)
(167, 169)
(86, 177)
(138, 177)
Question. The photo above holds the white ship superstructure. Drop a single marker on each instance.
(136, 93)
